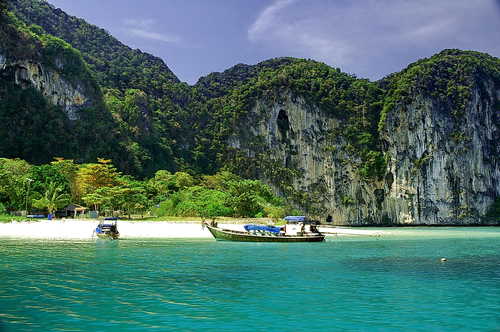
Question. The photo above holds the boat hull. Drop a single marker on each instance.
(110, 236)
(229, 235)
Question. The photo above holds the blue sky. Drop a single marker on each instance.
(369, 38)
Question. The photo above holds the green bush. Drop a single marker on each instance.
(234, 197)
(374, 165)
(195, 202)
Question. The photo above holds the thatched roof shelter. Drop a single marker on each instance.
(75, 209)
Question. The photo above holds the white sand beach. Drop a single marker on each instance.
(83, 229)
(331, 230)
(66, 229)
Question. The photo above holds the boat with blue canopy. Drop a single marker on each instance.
(259, 228)
(297, 229)
(107, 229)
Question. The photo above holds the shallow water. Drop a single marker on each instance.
(390, 283)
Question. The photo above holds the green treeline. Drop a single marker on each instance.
(101, 187)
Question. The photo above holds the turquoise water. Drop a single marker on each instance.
(392, 283)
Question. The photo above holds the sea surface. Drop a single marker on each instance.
(396, 282)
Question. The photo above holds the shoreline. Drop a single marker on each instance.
(82, 229)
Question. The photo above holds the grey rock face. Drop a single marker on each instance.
(298, 136)
(49, 83)
(443, 168)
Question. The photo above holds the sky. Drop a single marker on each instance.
(368, 38)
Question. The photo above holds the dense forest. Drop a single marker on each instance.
(101, 187)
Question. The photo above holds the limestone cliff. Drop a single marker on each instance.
(29, 58)
(50, 104)
(296, 136)
(444, 165)
(440, 149)
(72, 97)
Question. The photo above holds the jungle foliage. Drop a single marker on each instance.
(100, 186)
(114, 64)
(447, 77)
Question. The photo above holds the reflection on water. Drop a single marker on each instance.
(395, 282)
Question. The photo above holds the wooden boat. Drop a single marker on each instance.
(262, 236)
(107, 230)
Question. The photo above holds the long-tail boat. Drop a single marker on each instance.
(296, 230)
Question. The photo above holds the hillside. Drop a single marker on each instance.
(441, 127)
(418, 147)
(219, 84)
(51, 105)
(146, 99)
(114, 64)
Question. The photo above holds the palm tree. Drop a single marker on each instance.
(52, 200)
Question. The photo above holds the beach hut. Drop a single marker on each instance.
(74, 210)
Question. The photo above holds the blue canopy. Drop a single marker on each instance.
(296, 218)
(271, 229)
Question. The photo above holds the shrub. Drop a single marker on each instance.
(196, 202)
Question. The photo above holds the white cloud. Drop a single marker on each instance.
(375, 37)
(267, 18)
(153, 35)
(143, 28)
(145, 23)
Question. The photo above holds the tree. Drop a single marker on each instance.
(248, 197)
(68, 169)
(94, 199)
(52, 199)
(112, 197)
(14, 183)
(220, 180)
(275, 212)
(161, 185)
(126, 195)
(196, 201)
(91, 177)
(134, 197)
(42, 175)
(183, 180)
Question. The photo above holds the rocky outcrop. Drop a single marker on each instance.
(292, 132)
(444, 165)
(49, 82)
(298, 137)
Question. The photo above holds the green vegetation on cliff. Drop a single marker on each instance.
(354, 101)
(140, 143)
(447, 77)
(115, 65)
(31, 126)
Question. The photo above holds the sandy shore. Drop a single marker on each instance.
(329, 230)
(83, 229)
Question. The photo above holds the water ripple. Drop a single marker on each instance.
(370, 284)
